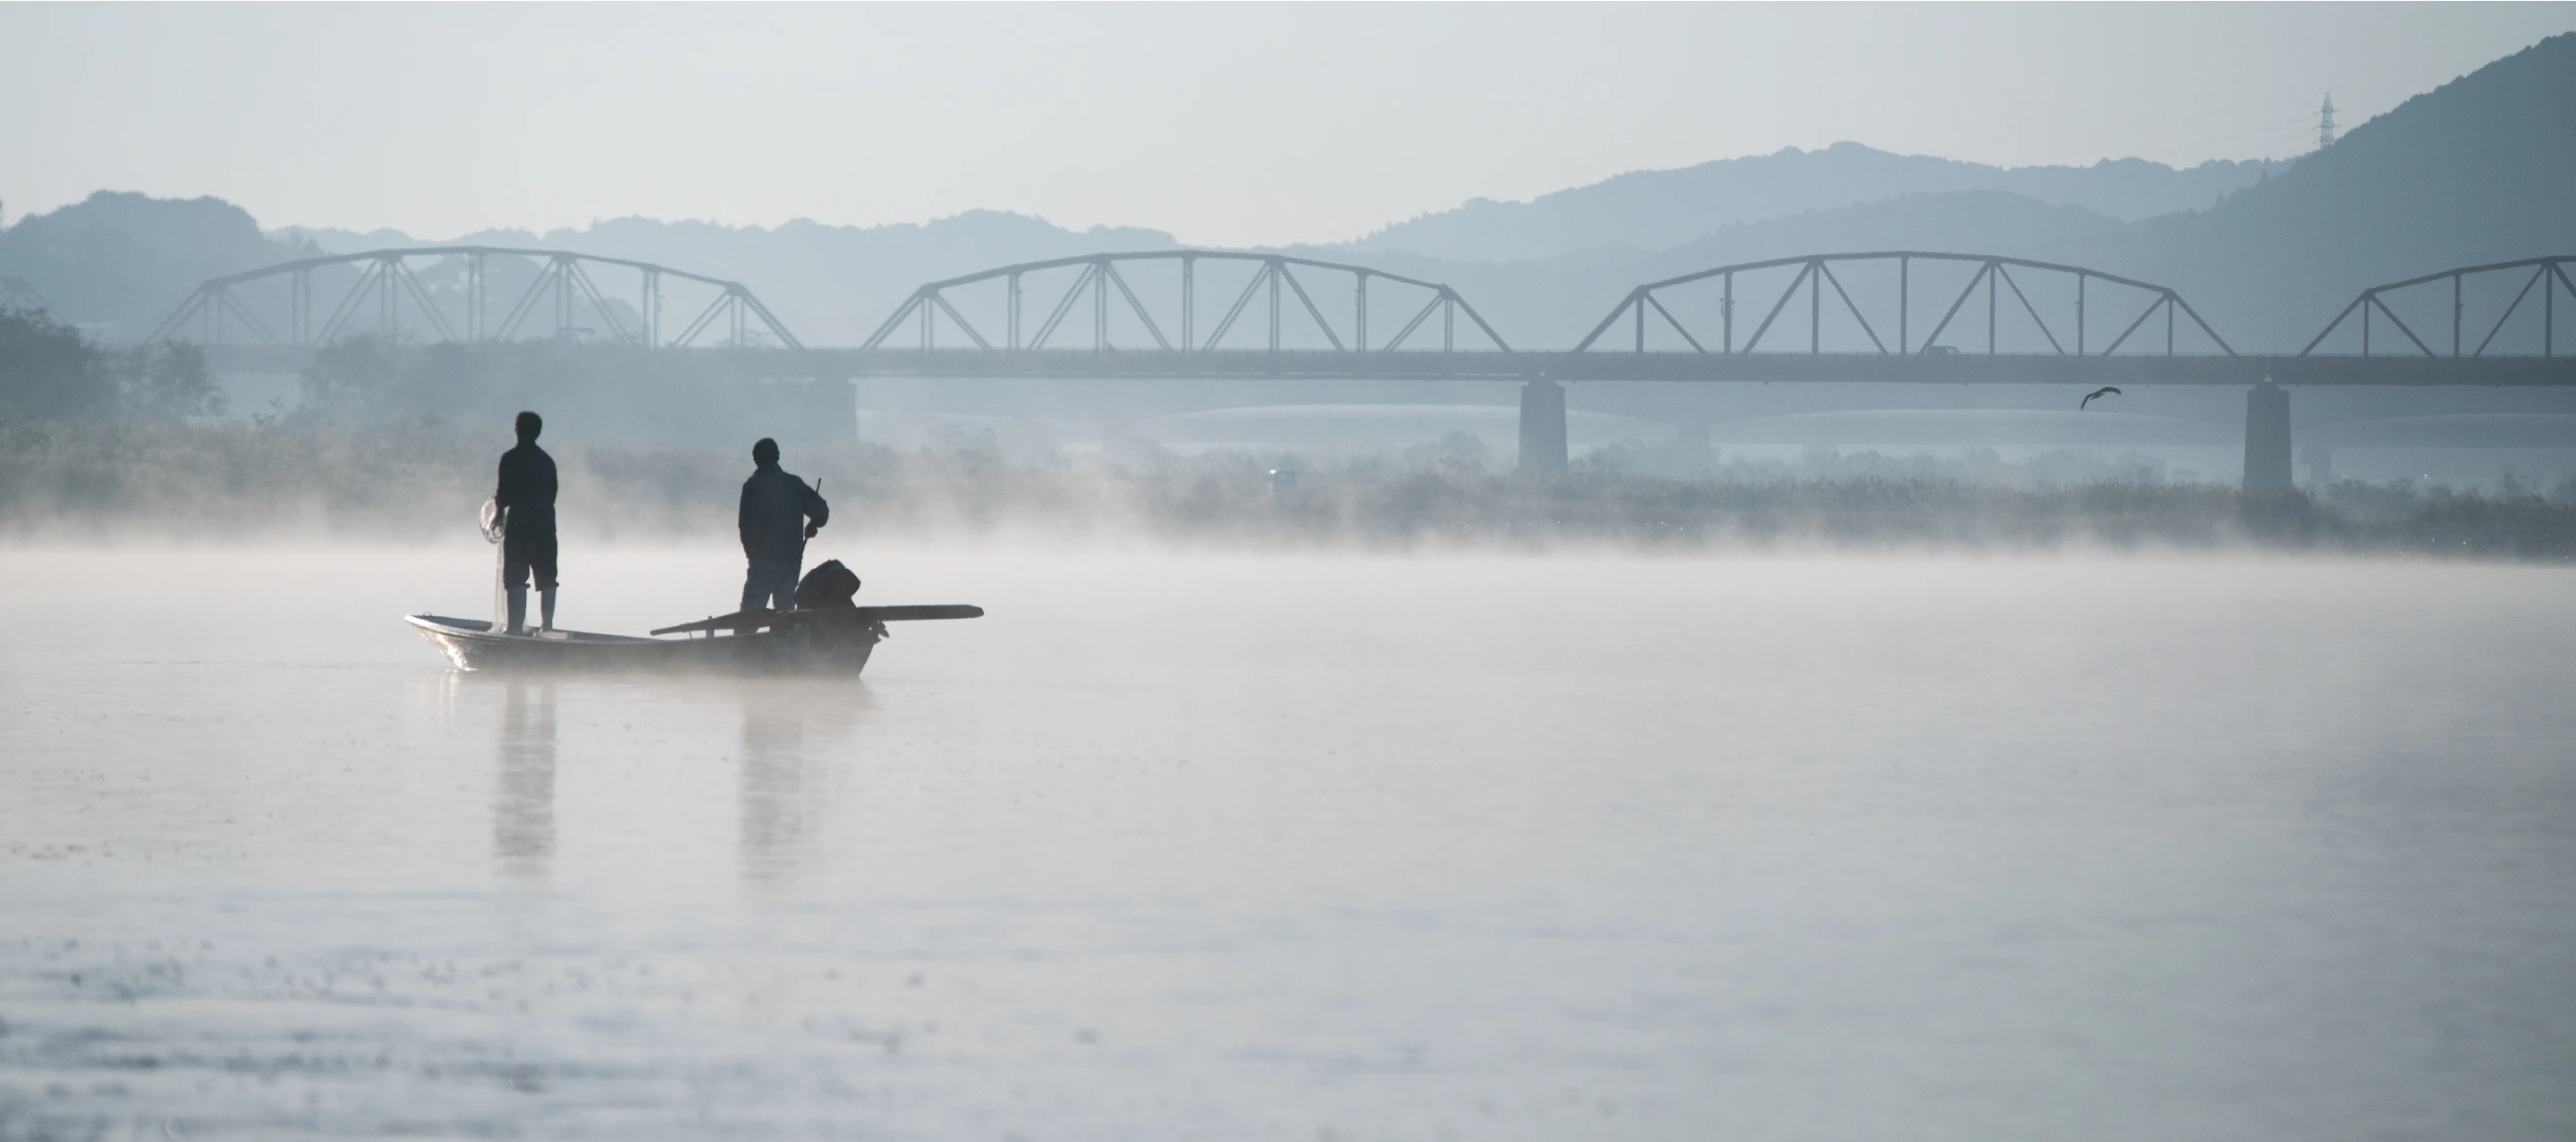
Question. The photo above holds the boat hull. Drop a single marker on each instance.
(817, 648)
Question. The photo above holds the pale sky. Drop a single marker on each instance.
(1228, 124)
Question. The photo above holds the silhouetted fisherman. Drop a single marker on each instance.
(775, 508)
(527, 493)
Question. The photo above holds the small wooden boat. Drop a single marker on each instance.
(825, 640)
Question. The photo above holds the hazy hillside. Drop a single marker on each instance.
(1551, 304)
(2481, 169)
(123, 260)
(1659, 210)
(2478, 170)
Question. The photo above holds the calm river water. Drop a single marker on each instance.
(1215, 847)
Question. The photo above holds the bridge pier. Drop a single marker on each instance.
(1542, 427)
(838, 409)
(2267, 438)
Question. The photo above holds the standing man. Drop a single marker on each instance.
(527, 493)
(775, 507)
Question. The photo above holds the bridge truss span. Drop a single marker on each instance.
(1116, 305)
(2501, 288)
(446, 292)
(18, 295)
(1873, 310)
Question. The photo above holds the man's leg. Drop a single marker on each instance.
(783, 588)
(542, 561)
(514, 575)
(760, 587)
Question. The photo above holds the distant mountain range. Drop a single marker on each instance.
(1650, 211)
(2481, 169)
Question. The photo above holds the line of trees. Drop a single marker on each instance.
(53, 374)
(49, 372)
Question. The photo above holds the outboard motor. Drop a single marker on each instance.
(830, 585)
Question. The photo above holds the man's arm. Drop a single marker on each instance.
(501, 487)
(815, 509)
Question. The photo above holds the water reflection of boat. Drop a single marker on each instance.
(824, 640)
(523, 786)
(790, 761)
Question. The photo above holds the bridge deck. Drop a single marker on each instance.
(1761, 368)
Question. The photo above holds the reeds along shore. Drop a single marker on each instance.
(424, 479)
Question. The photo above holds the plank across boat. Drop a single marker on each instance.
(829, 640)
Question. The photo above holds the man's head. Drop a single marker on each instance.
(765, 452)
(530, 424)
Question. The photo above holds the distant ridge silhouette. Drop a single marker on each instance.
(2480, 169)
(1658, 210)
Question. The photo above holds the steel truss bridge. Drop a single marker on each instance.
(18, 295)
(450, 297)
(1675, 352)
(1815, 272)
(2046, 335)
(1678, 329)
(1812, 318)
(1271, 278)
(1987, 319)
(2549, 274)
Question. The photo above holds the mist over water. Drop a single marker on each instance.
(419, 480)
(1729, 627)
(1297, 846)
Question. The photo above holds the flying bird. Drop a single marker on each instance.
(2104, 391)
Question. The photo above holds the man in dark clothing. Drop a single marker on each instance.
(775, 507)
(527, 493)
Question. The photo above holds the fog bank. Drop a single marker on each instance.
(423, 479)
